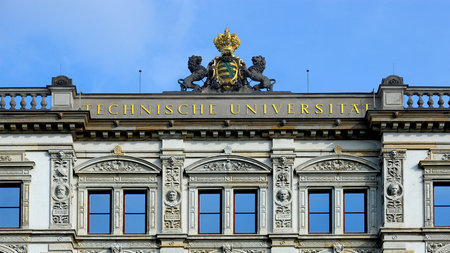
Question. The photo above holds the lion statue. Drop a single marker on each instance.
(255, 73)
(198, 72)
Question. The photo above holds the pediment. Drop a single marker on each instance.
(337, 163)
(117, 164)
(228, 164)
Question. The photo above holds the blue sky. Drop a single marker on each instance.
(348, 45)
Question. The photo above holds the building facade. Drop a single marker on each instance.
(225, 167)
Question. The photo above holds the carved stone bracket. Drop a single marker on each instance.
(61, 171)
(393, 185)
(282, 190)
(172, 176)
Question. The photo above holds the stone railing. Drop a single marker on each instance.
(24, 98)
(433, 97)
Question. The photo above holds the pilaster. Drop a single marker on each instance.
(393, 187)
(61, 192)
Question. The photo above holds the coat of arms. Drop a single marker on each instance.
(227, 72)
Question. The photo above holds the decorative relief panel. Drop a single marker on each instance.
(62, 162)
(393, 183)
(438, 247)
(172, 169)
(282, 190)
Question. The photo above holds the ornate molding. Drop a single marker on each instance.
(117, 164)
(393, 185)
(438, 247)
(338, 163)
(172, 176)
(282, 192)
(14, 248)
(228, 164)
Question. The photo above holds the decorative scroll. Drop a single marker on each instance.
(393, 183)
(282, 192)
(338, 165)
(172, 168)
(228, 166)
(438, 247)
(62, 162)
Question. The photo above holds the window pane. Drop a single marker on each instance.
(245, 223)
(354, 202)
(210, 202)
(99, 203)
(99, 223)
(9, 217)
(9, 197)
(135, 203)
(210, 223)
(244, 202)
(319, 202)
(441, 195)
(442, 216)
(355, 223)
(319, 223)
(135, 223)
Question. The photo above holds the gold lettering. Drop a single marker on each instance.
(145, 109)
(212, 108)
(232, 109)
(251, 109)
(110, 111)
(342, 108)
(265, 109)
(331, 108)
(194, 109)
(290, 109)
(158, 107)
(100, 109)
(87, 106)
(179, 109)
(354, 108)
(305, 108)
(277, 110)
(367, 107)
(319, 109)
(169, 109)
(125, 109)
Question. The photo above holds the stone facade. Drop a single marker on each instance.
(175, 145)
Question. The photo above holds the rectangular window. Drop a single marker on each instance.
(441, 205)
(245, 212)
(210, 215)
(354, 211)
(99, 212)
(319, 212)
(135, 215)
(9, 206)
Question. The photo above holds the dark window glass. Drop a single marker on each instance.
(9, 206)
(210, 217)
(355, 212)
(245, 212)
(100, 213)
(442, 205)
(135, 212)
(319, 212)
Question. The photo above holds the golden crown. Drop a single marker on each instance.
(227, 42)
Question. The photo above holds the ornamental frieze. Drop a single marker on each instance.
(116, 164)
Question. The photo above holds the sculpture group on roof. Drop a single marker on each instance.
(226, 73)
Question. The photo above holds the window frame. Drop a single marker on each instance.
(438, 183)
(211, 191)
(364, 191)
(90, 192)
(243, 191)
(330, 211)
(10, 185)
(135, 191)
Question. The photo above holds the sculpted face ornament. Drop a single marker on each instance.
(172, 198)
(283, 197)
(61, 192)
(394, 190)
(227, 72)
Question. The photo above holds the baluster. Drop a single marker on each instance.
(441, 100)
(420, 102)
(430, 100)
(13, 102)
(2, 102)
(410, 101)
(33, 102)
(23, 103)
(43, 102)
